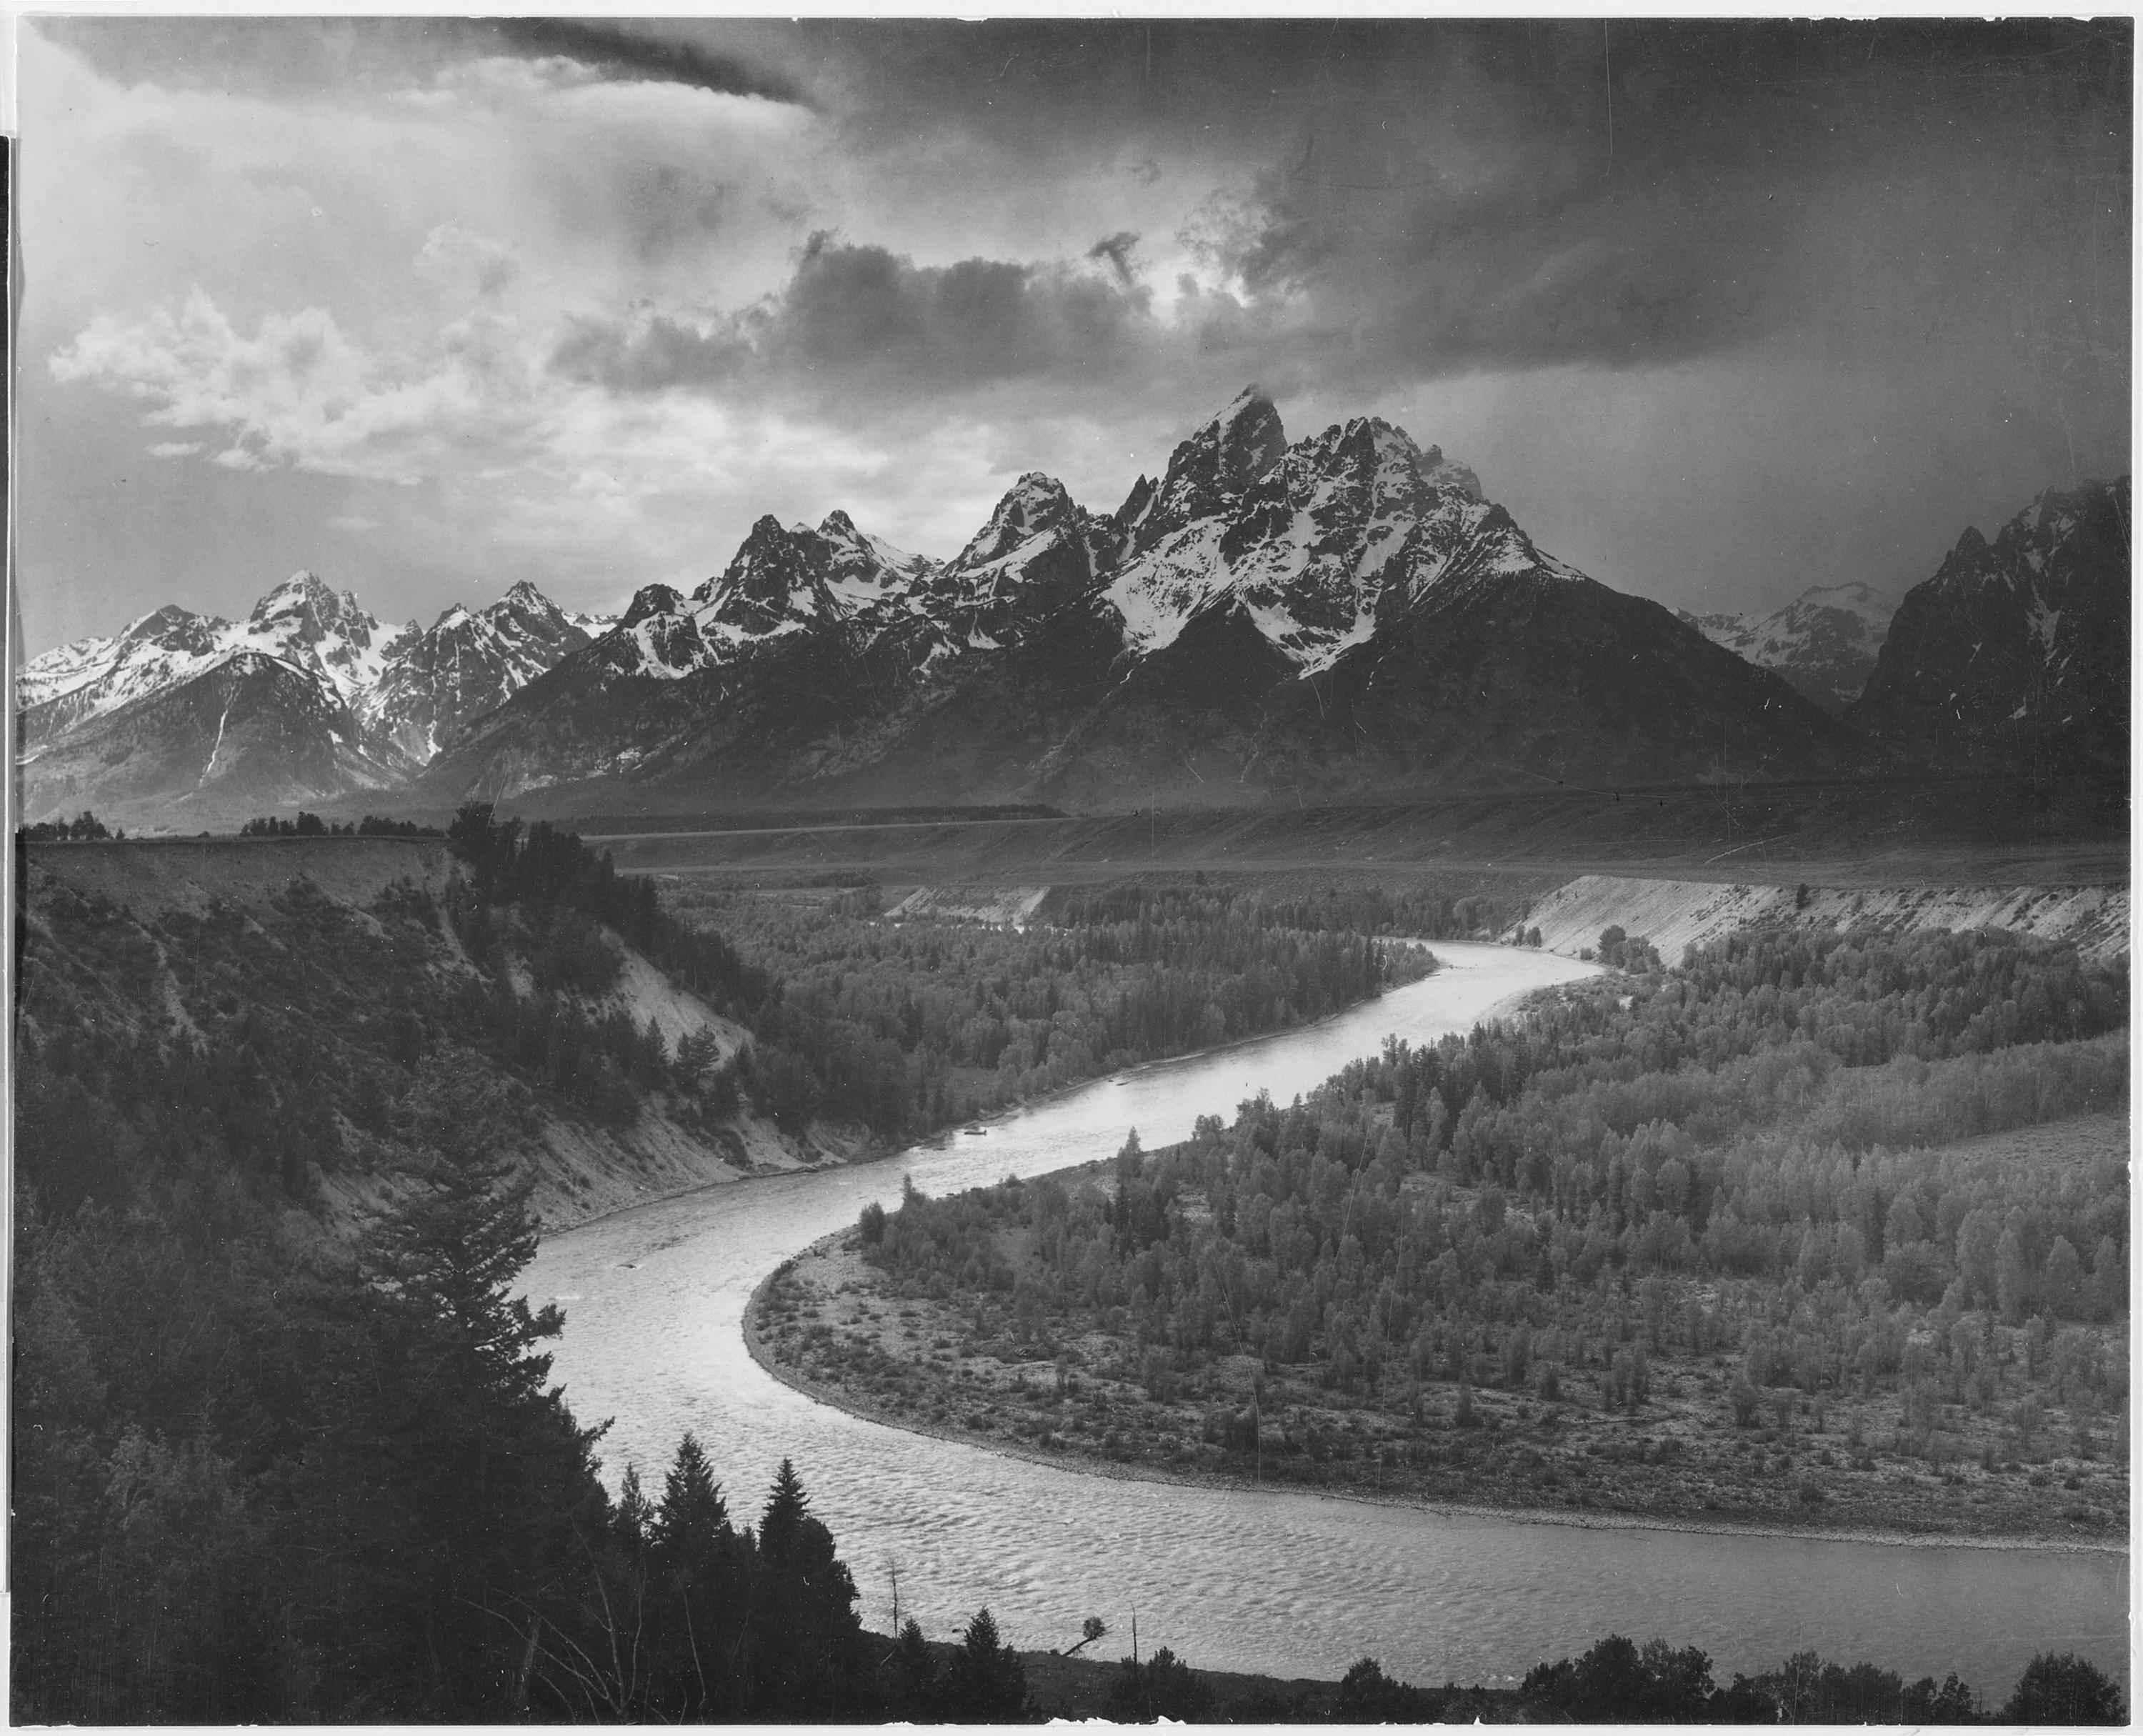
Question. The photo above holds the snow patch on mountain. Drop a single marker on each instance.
(1825, 641)
(405, 687)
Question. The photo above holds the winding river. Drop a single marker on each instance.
(1285, 1583)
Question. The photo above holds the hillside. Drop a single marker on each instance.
(1676, 914)
(324, 984)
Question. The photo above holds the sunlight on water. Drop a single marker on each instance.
(1285, 1583)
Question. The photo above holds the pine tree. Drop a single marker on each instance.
(462, 1489)
(787, 1507)
(915, 1674)
(986, 1682)
(632, 1520)
(692, 1512)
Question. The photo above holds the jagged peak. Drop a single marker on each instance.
(651, 599)
(1253, 404)
(1388, 442)
(1036, 502)
(303, 586)
(1246, 440)
(1036, 485)
(161, 623)
(1135, 504)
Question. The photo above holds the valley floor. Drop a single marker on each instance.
(841, 1330)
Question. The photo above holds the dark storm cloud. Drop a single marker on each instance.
(287, 55)
(621, 53)
(1411, 201)
(862, 319)
(1642, 193)
(1117, 250)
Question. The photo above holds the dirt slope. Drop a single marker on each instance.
(1675, 913)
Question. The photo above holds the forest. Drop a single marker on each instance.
(1719, 1236)
(911, 1026)
(275, 1463)
(263, 1476)
(270, 1467)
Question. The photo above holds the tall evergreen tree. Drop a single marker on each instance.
(787, 1507)
(986, 1683)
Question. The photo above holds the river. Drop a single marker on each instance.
(1285, 1583)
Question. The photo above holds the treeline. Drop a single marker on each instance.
(1514, 1207)
(908, 1026)
(311, 825)
(1619, 1682)
(543, 869)
(903, 1029)
(1352, 910)
(84, 828)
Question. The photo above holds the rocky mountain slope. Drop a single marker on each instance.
(2016, 653)
(1347, 613)
(466, 663)
(1823, 642)
(190, 718)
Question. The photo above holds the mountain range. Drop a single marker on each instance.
(1823, 642)
(310, 697)
(1348, 614)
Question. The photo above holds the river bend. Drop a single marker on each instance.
(1287, 1583)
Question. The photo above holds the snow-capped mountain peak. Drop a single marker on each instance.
(1825, 642)
(303, 622)
(1208, 472)
(406, 687)
(1316, 542)
(1033, 507)
(71, 683)
(468, 661)
(178, 629)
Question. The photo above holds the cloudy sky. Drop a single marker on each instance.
(1718, 311)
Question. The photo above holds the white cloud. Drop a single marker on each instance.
(473, 263)
(301, 393)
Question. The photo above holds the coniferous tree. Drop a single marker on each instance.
(787, 1507)
(914, 1676)
(986, 1683)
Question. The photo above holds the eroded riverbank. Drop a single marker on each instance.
(832, 1326)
